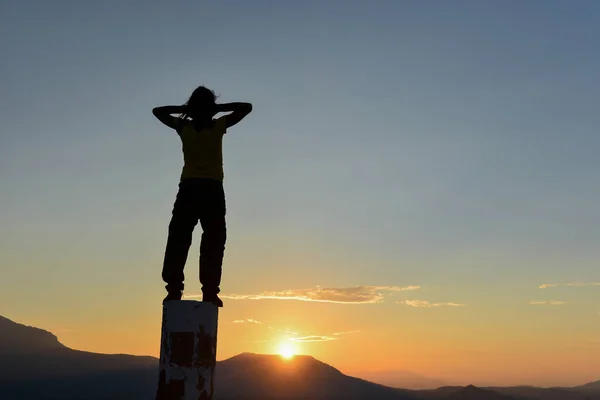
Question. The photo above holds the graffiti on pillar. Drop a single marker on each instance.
(188, 351)
(205, 348)
(182, 348)
(172, 389)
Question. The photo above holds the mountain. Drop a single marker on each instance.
(592, 387)
(28, 352)
(536, 393)
(463, 393)
(22, 339)
(35, 365)
(474, 393)
(402, 379)
(513, 392)
(259, 376)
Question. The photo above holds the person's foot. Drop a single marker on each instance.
(213, 299)
(175, 295)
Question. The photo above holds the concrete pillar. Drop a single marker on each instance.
(188, 350)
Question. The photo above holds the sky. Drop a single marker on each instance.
(415, 189)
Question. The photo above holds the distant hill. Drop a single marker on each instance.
(34, 365)
(402, 379)
(536, 393)
(462, 393)
(592, 387)
(474, 393)
(514, 392)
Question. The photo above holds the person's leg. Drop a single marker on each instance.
(212, 245)
(181, 227)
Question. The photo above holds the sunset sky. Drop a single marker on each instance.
(416, 189)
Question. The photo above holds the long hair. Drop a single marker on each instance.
(201, 105)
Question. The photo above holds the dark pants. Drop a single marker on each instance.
(197, 200)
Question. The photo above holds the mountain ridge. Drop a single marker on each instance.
(34, 364)
(41, 367)
(19, 338)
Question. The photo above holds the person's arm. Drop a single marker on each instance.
(164, 114)
(238, 112)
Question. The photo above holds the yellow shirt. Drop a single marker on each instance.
(202, 150)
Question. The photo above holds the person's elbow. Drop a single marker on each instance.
(248, 108)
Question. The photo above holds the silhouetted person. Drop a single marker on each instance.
(201, 196)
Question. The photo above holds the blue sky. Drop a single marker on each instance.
(452, 145)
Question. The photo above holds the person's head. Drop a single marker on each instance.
(201, 104)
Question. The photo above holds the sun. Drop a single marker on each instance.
(286, 350)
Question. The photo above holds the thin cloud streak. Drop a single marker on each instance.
(249, 320)
(345, 333)
(547, 302)
(313, 338)
(576, 284)
(350, 295)
(427, 304)
(293, 336)
(284, 331)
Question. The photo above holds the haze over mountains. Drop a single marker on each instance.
(35, 365)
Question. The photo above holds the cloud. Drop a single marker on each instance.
(349, 295)
(426, 304)
(577, 284)
(313, 338)
(294, 336)
(345, 333)
(249, 320)
(284, 331)
(547, 302)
